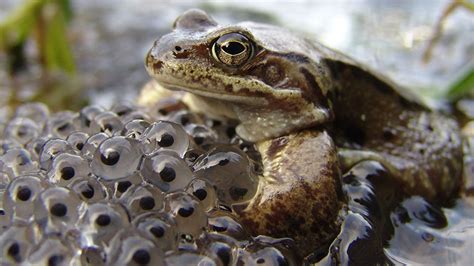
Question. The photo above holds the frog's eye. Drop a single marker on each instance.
(232, 49)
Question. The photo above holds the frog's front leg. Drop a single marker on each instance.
(299, 193)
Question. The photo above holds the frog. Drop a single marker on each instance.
(313, 113)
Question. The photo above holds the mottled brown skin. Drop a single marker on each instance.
(301, 194)
(289, 84)
(424, 147)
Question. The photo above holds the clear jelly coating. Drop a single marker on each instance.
(51, 149)
(135, 128)
(22, 130)
(114, 187)
(20, 195)
(130, 248)
(77, 140)
(37, 112)
(140, 199)
(16, 243)
(204, 192)
(230, 171)
(107, 122)
(61, 124)
(159, 228)
(116, 158)
(66, 168)
(57, 210)
(101, 222)
(18, 161)
(188, 213)
(166, 135)
(166, 170)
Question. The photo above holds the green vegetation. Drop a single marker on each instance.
(46, 22)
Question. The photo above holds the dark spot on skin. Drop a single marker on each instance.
(314, 92)
(157, 65)
(182, 55)
(297, 58)
(229, 88)
(277, 145)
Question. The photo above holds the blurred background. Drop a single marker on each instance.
(68, 53)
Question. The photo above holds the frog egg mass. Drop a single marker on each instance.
(107, 186)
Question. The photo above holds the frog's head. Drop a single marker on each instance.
(271, 80)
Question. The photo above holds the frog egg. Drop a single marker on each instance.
(224, 222)
(266, 256)
(158, 228)
(35, 146)
(133, 249)
(188, 213)
(166, 170)
(120, 187)
(37, 112)
(124, 108)
(51, 149)
(116, 158)
(91, 145)
(61, 124)
(185, 117)
(19, 196)
(136, 115)
(22, 130)
(15, 244)
(88, 189)
(57, 210)
(221, 248)
(230, 171)
(184, 258)
(107, 122)
(202, 135)
(77, 140)
(51, 251)
(101, 222)
(17, 161)
(192, 155)
(164, 106)
(139, 199)
(135, 128)
(66, 167)
(92, 255)
(8, 144)
(166, 135)
(204, 192)
(86, 115)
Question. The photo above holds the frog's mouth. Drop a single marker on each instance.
(217, 94)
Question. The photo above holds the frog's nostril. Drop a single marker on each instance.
(177, 48)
